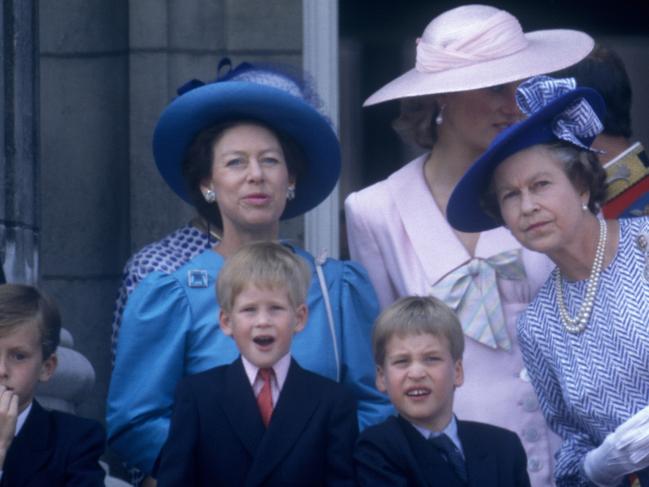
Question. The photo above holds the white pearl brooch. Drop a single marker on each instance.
(578, 323)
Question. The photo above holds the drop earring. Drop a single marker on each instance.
(210, 196)
(290, 193)
(439, 119)
(584, 207)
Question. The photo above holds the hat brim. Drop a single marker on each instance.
(547, 51)
(215, 103)
(464, 211)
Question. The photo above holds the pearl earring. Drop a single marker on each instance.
(584, 207)
(290, 193)
(210, 196)
(439, 119)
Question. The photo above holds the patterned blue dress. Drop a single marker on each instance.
(591, 382)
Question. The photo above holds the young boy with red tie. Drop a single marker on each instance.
(262, 420)
(418, 345)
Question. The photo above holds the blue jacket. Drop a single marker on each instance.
(395, 454)
(170, 329)
(55, 449)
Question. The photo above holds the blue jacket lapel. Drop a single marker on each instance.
(480, 462)
(432, 466)
(238, 402)
(30, 450)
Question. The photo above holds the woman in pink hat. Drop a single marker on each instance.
(458, 97)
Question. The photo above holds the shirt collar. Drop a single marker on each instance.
(450, 431)
(22, 417)
(280, 370)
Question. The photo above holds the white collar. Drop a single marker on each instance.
(450, 431)
(22, 417)
(280, 369)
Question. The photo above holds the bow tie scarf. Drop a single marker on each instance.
(472, 292)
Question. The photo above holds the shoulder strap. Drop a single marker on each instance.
(319, 261)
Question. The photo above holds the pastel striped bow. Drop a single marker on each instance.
(472, 292)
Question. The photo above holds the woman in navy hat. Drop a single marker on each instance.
(585, 336)
(246, 151)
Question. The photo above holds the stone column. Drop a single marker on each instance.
(19, 177)
(320, 37)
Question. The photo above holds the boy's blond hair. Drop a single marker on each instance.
(266, 265)
(20, 304)
(416, 315)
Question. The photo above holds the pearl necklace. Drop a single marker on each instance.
(578, 323)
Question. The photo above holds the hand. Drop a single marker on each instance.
(624, 451)
(8, 418)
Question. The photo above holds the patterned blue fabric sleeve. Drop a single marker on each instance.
(575, 444)
(357, 309)
(149, 363)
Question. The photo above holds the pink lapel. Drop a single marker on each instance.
(432, 238)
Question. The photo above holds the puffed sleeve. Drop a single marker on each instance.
(364, 248)
(358, 308)
(575, 444)
(148, 366)
(132, 274)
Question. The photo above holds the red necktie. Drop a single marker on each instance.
(265, 397)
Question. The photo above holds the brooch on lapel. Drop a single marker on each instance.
(643, 243)
(197, 278)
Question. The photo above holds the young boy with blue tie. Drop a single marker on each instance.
(38, 447)
(418, 345)
(261, 420)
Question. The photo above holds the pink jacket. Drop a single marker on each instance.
(397, 231)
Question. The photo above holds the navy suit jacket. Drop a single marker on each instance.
(394, 453)
(55, 449)
(217, 436)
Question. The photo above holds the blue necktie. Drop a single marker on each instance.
(451, 454)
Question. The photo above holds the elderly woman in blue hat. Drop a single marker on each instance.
(585, 336)
(246, 151)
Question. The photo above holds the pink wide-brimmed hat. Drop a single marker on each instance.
(477, 46)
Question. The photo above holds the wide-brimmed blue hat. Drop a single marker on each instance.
(276, 98)
(558, 111)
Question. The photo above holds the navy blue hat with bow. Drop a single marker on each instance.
(557, 111)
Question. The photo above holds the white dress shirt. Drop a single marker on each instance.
(280, 371)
